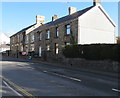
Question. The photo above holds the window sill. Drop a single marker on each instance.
(56, 37)
(67, 34)
(48, 39)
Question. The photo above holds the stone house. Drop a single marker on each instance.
(91, 25)
(18, 40)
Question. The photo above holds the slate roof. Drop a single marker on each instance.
(58, 21)
(64, 19)
(23, 30)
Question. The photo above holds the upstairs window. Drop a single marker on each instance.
(26, 38)
(32, 37)
(21, 48)
(67, 29)
(21, 37)
(57, 32)
(13, 40)
(41, 36)
(18, 38)
(48, 34)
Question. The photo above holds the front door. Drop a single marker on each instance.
(40, 51)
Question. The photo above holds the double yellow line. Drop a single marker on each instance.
(17, 87)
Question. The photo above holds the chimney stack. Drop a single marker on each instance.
(40, 19)
(71, 10)
(55, 17)
(96, 2)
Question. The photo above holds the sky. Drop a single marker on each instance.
(18, 15)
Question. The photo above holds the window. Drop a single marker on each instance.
(21, 37)
(26, 38)
(67, 29)
(57, 32)
(56, 48)
(21, 48)
(4, 42)
(48, 34)
(13, 39)
(41, 36)
(18, 38)
(32, 37)
(66, 43)
(48, 47)
(32, 47)
(40, 51)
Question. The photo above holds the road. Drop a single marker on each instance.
(21, 78)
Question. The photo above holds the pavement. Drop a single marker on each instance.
(47, 79)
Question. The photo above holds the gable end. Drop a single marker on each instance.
(107, 16)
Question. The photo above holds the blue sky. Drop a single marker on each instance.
(18, 15)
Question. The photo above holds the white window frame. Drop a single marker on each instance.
(32, 37)
(27, 38)
(48, 34)
(21, 48)
(56, 48)
(21, 37)
(40, 35)
(68, 30)
(40, 51)
(57, 32)
(48, 47)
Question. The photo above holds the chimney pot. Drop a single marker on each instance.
(40, 19)
(71, 10)
(55, 17)
(96, 2)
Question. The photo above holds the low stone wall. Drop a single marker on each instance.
(97, 65)
(105, 65)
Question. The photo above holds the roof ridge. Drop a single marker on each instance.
(65, 18)
(23, 29)
(70, 15)
(76, 14)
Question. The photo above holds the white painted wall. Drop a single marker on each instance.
(95, 27)
(4, 39)
(4, 49)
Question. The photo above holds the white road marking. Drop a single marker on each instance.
(72, 78)
(12, 89)
(31, 63)
(44, 71)
(68, 77)
(116, 90)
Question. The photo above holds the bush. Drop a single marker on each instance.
(93, 52)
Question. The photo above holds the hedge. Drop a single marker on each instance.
(93, 51)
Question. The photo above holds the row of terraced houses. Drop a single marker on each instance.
(91, 25)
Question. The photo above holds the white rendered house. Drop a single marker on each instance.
(95, 26)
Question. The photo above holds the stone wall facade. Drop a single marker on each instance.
(62, 39)
(17, 42)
